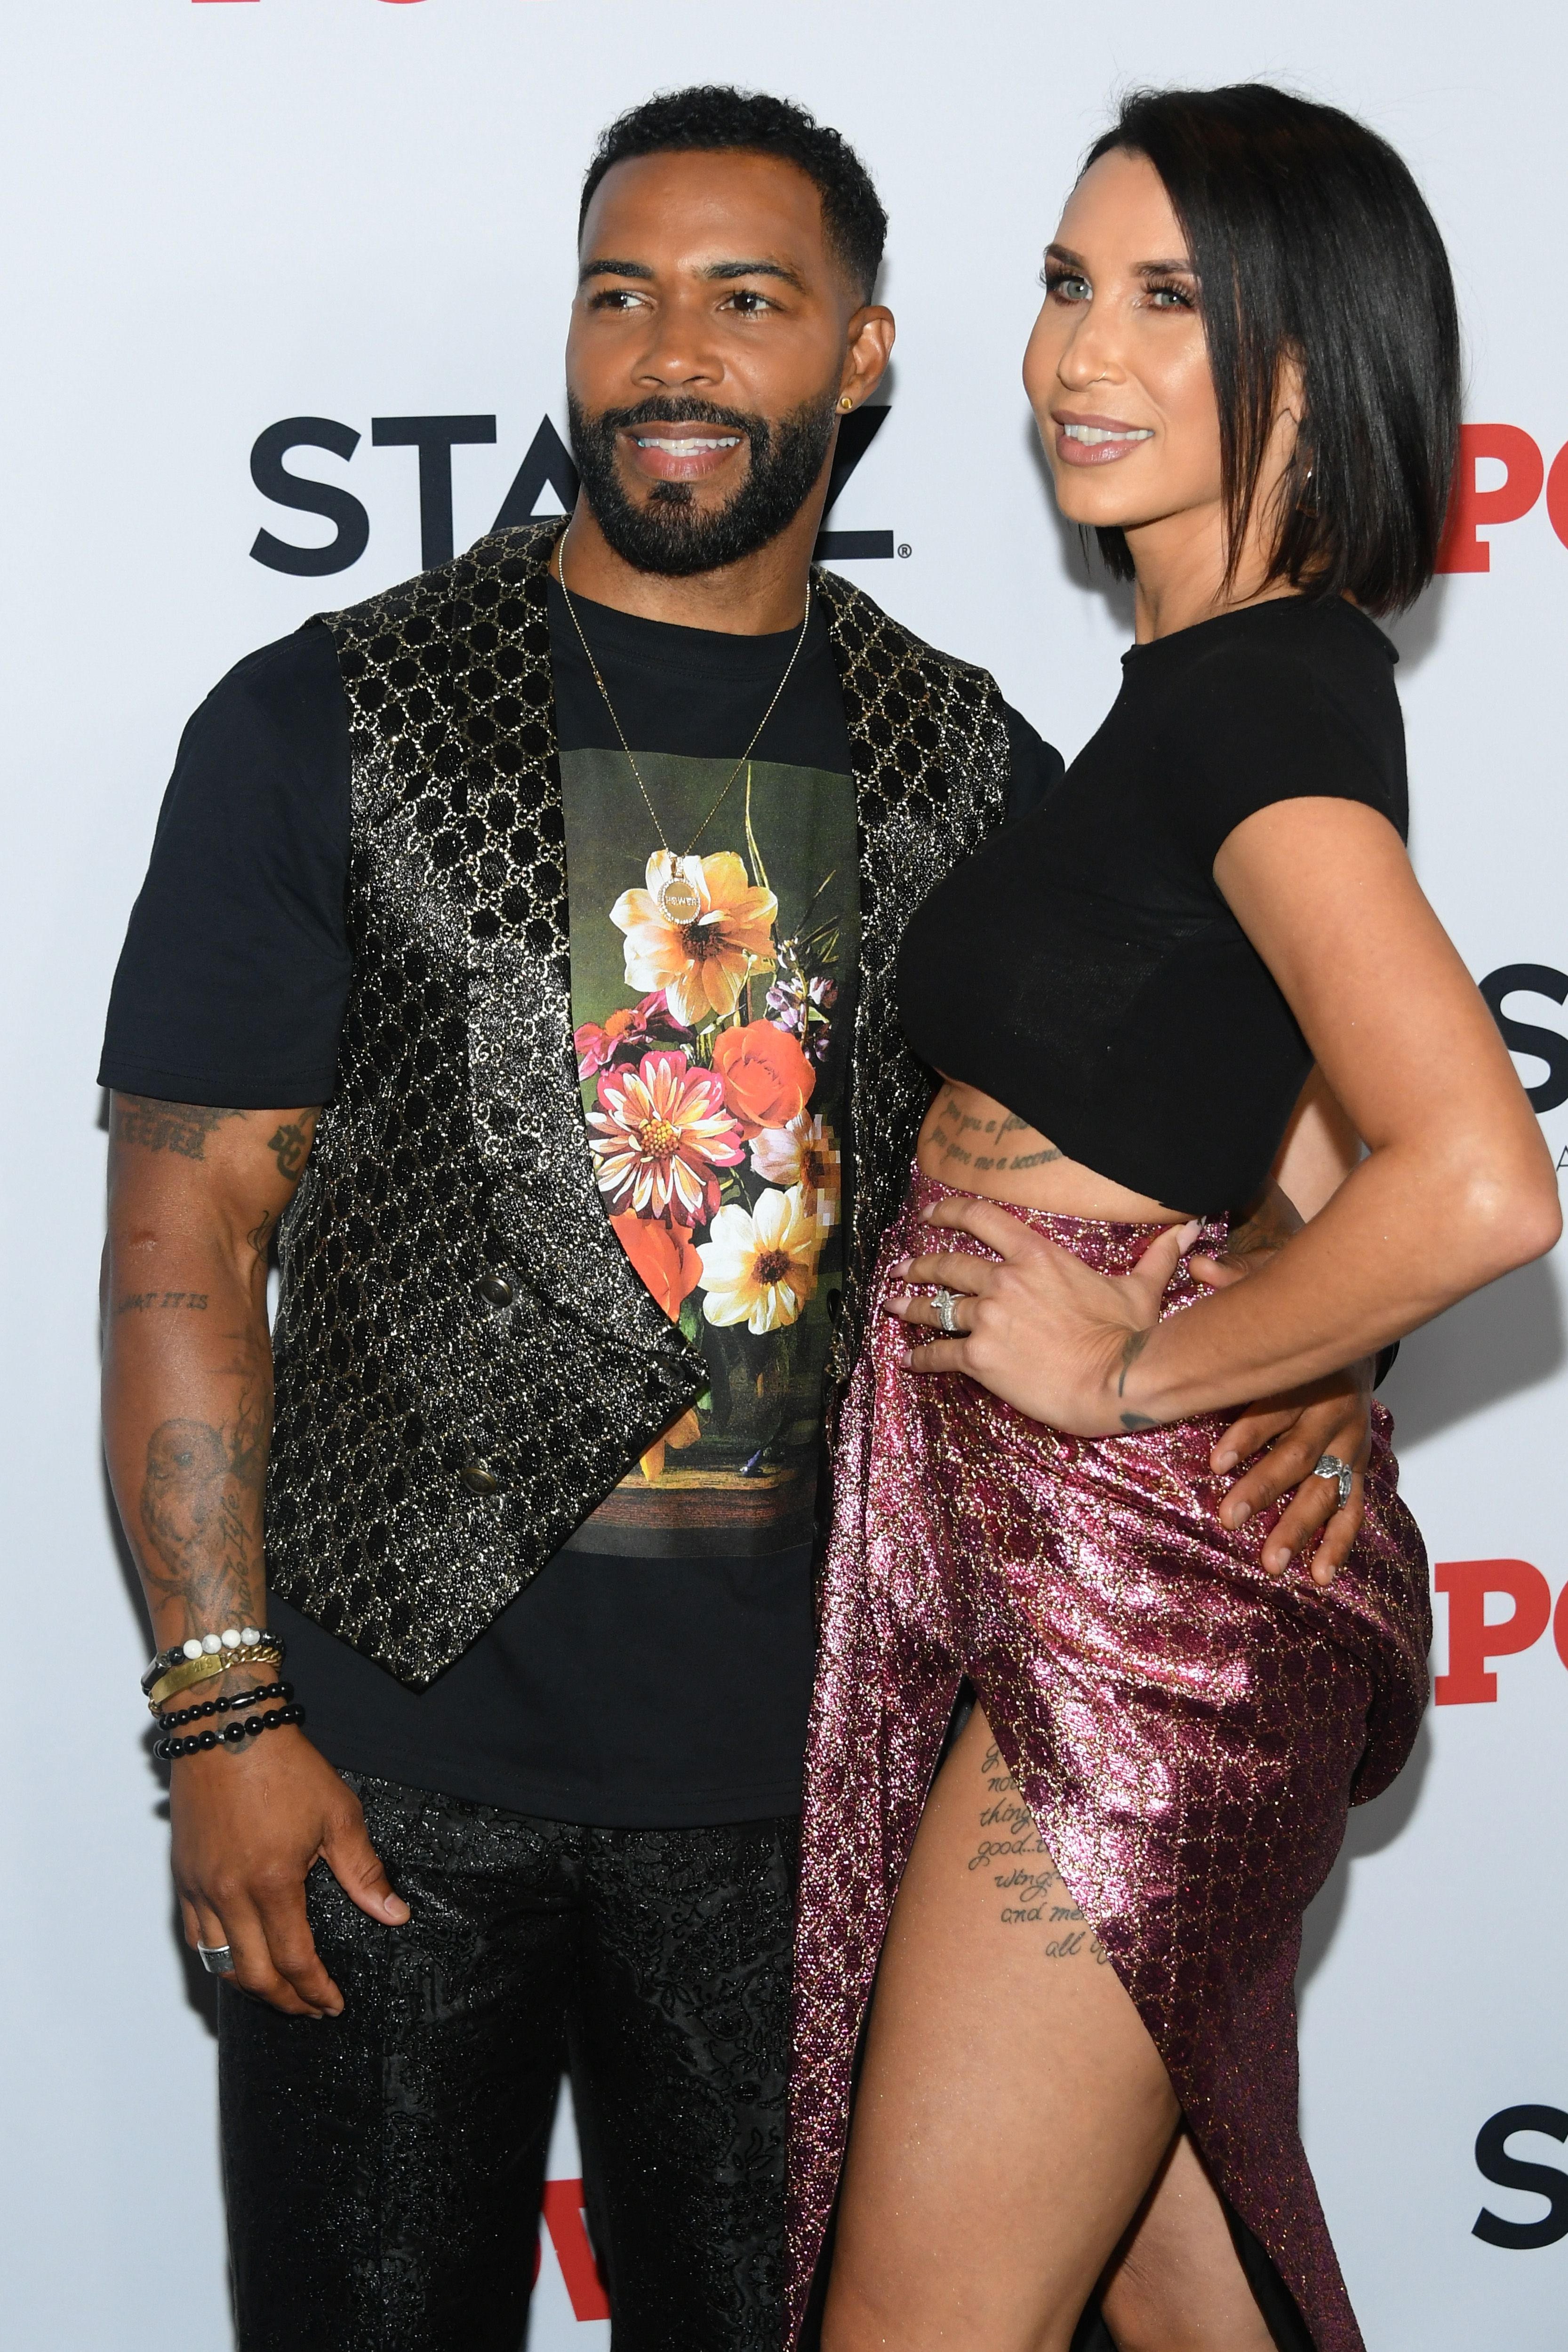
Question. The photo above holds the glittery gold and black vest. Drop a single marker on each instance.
(467, 1361)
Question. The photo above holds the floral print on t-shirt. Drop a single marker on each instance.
(712, 1073)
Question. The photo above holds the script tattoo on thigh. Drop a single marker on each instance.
(1012, 1851)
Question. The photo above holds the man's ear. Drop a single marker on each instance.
(868, 347)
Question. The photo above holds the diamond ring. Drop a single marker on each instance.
(1328, 1465)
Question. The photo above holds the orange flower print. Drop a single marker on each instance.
(767, 1078)
(701, 965)
(687, 1432)
(663, 1256)
(659, 1134)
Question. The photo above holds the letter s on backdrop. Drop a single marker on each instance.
(286, 489)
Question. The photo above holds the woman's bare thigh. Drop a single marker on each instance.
(1013, 2109)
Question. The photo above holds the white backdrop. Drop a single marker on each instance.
(223, 214)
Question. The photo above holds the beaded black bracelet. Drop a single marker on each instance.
(232, 1734)
(210, 1645)
(226, 1706)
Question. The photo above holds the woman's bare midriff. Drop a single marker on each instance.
(976, 1144)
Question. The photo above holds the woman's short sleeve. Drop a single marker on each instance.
(1264, 724)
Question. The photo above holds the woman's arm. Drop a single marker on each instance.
(1456, 1189)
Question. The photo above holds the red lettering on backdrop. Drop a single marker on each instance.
(1560, 1625)
(563, 2219)
(1472, 1641)
(1461, 551)
(1557, 495)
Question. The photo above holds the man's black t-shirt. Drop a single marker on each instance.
(662, 1679)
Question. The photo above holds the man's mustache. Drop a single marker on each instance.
(671, 409)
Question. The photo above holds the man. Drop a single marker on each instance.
(568, 877)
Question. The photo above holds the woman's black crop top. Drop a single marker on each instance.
(1083, 968)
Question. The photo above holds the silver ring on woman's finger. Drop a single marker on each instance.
(1328, 1465)
(946, 1305)
(217, 1958)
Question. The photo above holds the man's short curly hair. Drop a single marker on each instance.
(712, 118)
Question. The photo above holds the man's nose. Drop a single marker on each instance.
(678, 352)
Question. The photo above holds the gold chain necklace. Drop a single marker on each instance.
(679, 900)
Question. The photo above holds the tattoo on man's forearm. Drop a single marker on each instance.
(141, 1302)
(291, 1145)
(179, 1126)
(1030, 1886)
(200, 1508)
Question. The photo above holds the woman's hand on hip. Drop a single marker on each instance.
(1034, 1325)
(1290, 1434)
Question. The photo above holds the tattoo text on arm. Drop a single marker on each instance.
(158, 1125)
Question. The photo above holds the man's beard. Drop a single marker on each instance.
(670, 533)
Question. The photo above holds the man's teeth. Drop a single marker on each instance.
(686, 443)
(1094, 435)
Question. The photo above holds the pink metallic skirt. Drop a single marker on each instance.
(1188, 1731)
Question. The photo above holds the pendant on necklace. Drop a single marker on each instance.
(680, 899)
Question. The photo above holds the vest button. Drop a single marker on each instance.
(499, 1293)
(480, 1478)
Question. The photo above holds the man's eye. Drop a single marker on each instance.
(750, 305)
(614, 297)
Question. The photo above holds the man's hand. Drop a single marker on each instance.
(247, 1827)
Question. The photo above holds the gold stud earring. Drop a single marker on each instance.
(844, 404)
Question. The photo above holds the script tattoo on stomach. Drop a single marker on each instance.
(1011, 1851)
(988, 1132)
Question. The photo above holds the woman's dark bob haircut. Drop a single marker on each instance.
(1312, 242)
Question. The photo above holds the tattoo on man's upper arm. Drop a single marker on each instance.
(142, 1302)
(291, 1145)
(178, 1127)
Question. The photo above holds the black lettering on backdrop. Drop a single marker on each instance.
(1549, 1045)
(1494, 2163)
(547, 460)
(856, 434)
(433, 437)
(286, 489)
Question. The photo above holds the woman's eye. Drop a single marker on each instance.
(1170, 298)
(1067, 284)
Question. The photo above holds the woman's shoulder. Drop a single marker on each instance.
(1289, 699)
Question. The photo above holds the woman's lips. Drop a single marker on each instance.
(663, 454)
(1097, 440)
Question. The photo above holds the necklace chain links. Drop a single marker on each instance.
(679, 900)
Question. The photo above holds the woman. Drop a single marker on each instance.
(1078, 2080)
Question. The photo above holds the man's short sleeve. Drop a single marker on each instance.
(1037, 766)
(234, 972)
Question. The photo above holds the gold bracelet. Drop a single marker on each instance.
(191, 1671)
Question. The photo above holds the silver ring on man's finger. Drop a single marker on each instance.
(946, 1305)
(1328, 1465)
(217, 1958)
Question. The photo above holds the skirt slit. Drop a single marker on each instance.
(1186, 1732)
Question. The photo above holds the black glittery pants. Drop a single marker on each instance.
(383, 2169)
